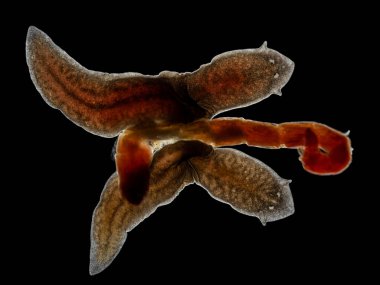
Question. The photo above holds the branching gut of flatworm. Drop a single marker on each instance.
(167, 137)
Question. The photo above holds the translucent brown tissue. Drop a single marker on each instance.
(167, 137)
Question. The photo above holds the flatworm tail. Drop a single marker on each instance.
(102, 103)
(114, 216)
(248, 185)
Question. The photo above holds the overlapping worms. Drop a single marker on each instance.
(167, 137)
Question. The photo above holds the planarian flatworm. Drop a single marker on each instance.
(167, 137)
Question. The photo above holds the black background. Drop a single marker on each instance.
(58, 170)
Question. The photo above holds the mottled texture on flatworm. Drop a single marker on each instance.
(261, 192)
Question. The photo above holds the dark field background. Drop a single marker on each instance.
(61, 169)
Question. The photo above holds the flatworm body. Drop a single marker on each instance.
(167, 137)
